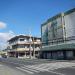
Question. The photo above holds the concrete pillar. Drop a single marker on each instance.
(33, 48)
(63, 25)
(30, 52)
(15, 54)
(25, 54)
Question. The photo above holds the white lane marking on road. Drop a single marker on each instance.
(45, 70)
(56, 73)
(49, 66)
(43, 67)
(25, 70)
(46, 66)
(40, 69)
(34, 68)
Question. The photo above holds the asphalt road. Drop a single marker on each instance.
(13, 66)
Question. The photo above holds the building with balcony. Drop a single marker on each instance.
(24, 46)
(58, 36)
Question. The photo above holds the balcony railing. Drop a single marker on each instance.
(24, 42)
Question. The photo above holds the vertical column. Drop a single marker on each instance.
(15, 54)
(74, 54)
(33, 48)
(30, 50)
(64, 55)
(63, 25)
(25, 54)
(30, 41)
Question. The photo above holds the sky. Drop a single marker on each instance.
(22, 16)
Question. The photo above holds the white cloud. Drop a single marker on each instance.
(4, 37)
(2, 25)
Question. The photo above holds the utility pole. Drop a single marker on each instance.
(33, 48)
(30, 40)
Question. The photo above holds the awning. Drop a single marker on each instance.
(63, 46)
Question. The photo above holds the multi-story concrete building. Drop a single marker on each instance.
(58, 36)
(24, 46)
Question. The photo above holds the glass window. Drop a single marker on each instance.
(21, 39)
(69, 53)
(60, 33)
(45, 34)
(21, 46)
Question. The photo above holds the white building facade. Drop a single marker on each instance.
(58, 36)
(24, 46)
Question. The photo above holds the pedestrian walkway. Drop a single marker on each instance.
(45, 67)
(5, 70)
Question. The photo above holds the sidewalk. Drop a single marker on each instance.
(5, 70)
